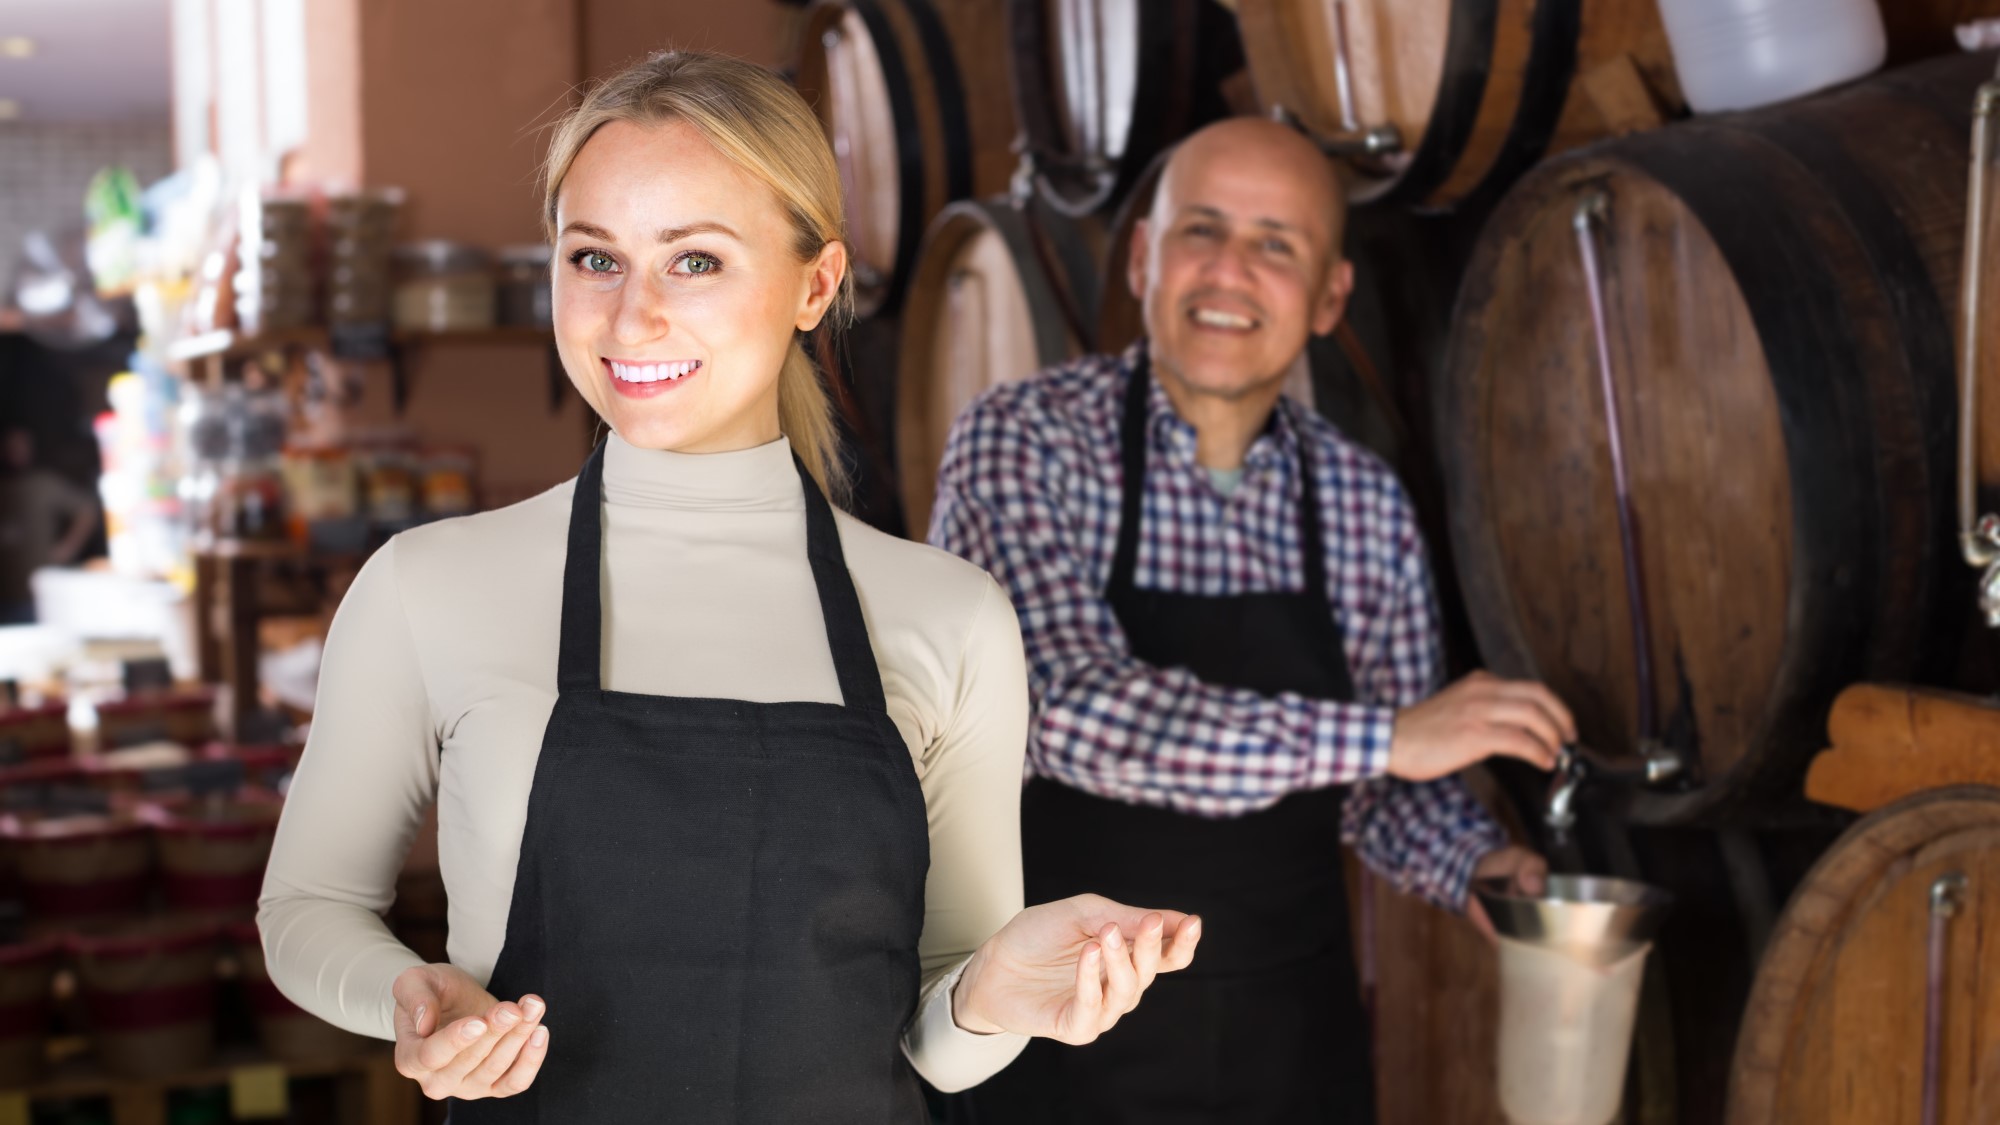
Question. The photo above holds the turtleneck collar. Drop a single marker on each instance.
(761, 478)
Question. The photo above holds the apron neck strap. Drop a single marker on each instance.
(579, 666)
(846, 632)
(579, 657)
(1132, 449)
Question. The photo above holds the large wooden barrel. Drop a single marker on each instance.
(1477, 92)
(1836, 1029)
(1101, 86)
(914, 121)
(999, 293)
(1775, 294)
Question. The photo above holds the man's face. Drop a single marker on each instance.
(1239, 260)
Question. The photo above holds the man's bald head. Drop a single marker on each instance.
(1261, 148)
(1239, 261)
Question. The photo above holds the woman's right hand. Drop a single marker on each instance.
(456, 1041)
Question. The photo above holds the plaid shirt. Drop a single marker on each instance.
(1029, 490)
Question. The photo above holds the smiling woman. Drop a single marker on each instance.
(762, 862)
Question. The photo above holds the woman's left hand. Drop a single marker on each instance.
(1069, 969)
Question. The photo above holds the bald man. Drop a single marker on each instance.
(1234, 655)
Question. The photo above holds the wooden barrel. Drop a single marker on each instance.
(1102, 86)
(997, 296)
(1835, 1031)
(1775, 294)
(914, 124)
(1477, 92)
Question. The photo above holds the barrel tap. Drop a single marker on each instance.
(1577, 766)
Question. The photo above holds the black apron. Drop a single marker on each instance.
(720, 900)
(1267, 1025)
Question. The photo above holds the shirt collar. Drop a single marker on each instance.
(1167, 431)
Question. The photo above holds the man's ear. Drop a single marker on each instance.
(1332, 302)
(1135, 262)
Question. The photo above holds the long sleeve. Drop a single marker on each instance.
(1424, 837)
(1114, 726)
(1104, 721)
(971, 784)
(368, 774)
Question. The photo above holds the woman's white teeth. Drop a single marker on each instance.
(1216, 318)
(653, 372)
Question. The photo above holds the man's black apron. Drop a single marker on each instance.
(720, 900)
(1267, 1025)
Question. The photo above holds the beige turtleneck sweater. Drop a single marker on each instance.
(439, 676)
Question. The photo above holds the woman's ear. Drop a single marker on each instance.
(823, 277)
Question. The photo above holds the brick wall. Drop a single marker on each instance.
(45, 167)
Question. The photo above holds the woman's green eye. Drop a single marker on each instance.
(597, 262)
(700, 263)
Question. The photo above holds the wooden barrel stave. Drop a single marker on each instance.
(993, 300)
(1775, 302)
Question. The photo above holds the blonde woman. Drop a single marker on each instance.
(727, 782)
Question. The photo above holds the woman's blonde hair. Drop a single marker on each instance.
(760, 123)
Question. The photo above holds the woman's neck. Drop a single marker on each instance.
(761, 478)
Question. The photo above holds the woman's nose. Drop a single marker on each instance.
(641, 313)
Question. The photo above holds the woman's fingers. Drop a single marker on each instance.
(465, 1044)
(1146, 948)
(1121, 976)
(1086, 1006)
(515, 1028)
(1180, 946)
(522, 1074)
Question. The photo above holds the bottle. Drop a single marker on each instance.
(1740, 54)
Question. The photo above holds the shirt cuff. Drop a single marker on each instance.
(1461, 855)
(945, 1054)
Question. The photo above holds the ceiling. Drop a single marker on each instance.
(94, 60)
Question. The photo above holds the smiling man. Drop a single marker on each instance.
(1233, 652)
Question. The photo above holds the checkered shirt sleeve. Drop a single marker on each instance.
(1029, 489)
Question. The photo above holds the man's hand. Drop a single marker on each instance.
(456, 1041)
(1474, 719)
(1069, 969)
(1525, 871)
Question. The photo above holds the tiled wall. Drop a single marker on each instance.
(44, 169)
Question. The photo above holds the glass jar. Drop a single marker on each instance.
(448, 481)
(321, 484)
(524, 286)
(388, 483)
(444, 287)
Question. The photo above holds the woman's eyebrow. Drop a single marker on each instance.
(675, 234)
(666, 234)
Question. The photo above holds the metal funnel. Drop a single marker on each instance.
(1585, 914)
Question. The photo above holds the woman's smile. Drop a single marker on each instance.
(646, 379)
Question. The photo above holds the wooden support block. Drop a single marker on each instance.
(1622, 97)
(1890, 742)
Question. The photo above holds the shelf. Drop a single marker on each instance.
(227, 343)
(375, 1094)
